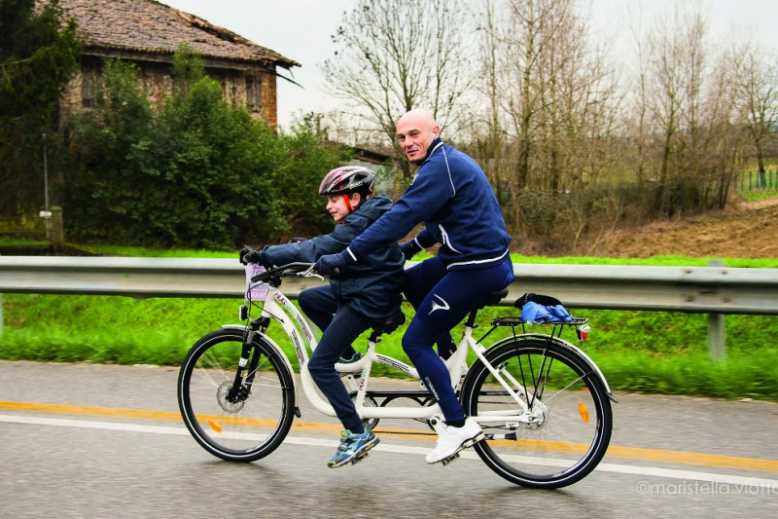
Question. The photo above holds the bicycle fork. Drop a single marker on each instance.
(247, 368)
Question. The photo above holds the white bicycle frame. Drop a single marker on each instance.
(278, 307)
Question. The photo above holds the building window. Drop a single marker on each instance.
(253, 95)
(89, 85)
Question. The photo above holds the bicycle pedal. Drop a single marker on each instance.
(449, 459)
(469, 443)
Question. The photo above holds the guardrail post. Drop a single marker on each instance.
(717, 337)
(717, 332)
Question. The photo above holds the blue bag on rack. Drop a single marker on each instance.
(537, 309)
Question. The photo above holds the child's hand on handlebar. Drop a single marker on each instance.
(248, 255)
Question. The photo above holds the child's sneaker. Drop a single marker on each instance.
(353, 447)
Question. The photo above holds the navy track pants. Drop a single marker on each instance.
(341, 326)
(449, 295)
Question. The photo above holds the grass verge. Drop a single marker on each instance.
(637, 351)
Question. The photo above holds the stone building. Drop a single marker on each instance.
(147, 33)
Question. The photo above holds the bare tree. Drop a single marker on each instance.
(756, 83)
(688, 108)
(396, 55)
(524, 41)
(666, 64)
(490, 143)
(638, 125)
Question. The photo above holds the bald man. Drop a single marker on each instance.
(452, 196)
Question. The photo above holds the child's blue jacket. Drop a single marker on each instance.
(370, 287)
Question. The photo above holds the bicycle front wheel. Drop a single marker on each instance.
(235, 418)
(565, 429)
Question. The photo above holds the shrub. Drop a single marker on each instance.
(38, 55)
(196, 172)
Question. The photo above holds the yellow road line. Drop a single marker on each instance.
(614, 451)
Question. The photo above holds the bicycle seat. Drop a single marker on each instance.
(387, 325)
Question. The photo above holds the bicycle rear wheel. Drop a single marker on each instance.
(565, 432)
(242, 422)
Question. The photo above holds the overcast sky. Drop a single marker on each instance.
(301, 29)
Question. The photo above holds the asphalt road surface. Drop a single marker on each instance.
(79, 440)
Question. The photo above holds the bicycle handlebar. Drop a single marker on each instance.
(298, 268)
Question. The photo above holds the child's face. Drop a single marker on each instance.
(337, 207)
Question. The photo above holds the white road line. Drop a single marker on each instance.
(771, 484)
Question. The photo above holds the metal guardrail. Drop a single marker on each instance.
(713, 290)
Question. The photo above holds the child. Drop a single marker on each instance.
(357, 298)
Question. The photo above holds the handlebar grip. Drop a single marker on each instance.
(279, 271)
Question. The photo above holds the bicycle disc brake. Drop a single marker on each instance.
(222, 394)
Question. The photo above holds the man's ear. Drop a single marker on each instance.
(436, 130)
(356, 199)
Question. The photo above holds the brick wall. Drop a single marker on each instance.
(157, 83)
(269, 99)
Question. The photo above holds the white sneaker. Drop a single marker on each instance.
(453, 439)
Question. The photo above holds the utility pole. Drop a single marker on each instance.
(45, 174)
(46, 214)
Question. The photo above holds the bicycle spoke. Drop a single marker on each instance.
(548, 401)
(241, 422)
(546, 378)
(211, 365)
(564, 431)
(523, 381)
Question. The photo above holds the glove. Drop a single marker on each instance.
(333, 263)
(248, 255)
(409, 249)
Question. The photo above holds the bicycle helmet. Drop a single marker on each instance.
(347, 179)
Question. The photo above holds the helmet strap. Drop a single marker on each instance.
(347, 201)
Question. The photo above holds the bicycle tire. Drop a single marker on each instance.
(538, 455)
(241, 431)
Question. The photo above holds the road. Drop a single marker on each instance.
(94, 441)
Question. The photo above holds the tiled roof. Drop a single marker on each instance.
(153, 27)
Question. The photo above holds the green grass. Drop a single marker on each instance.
(746, 183)
(641, 351)
(638, 351)
(120, 250)
(659, 261)
(656, 261)
(757, 195)
(10, 242)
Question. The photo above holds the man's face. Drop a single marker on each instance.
(414, 134)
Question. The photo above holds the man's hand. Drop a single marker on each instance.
(333, 263)
(409, 249)
(248, 255)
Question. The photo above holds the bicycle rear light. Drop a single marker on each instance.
(583, 332)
